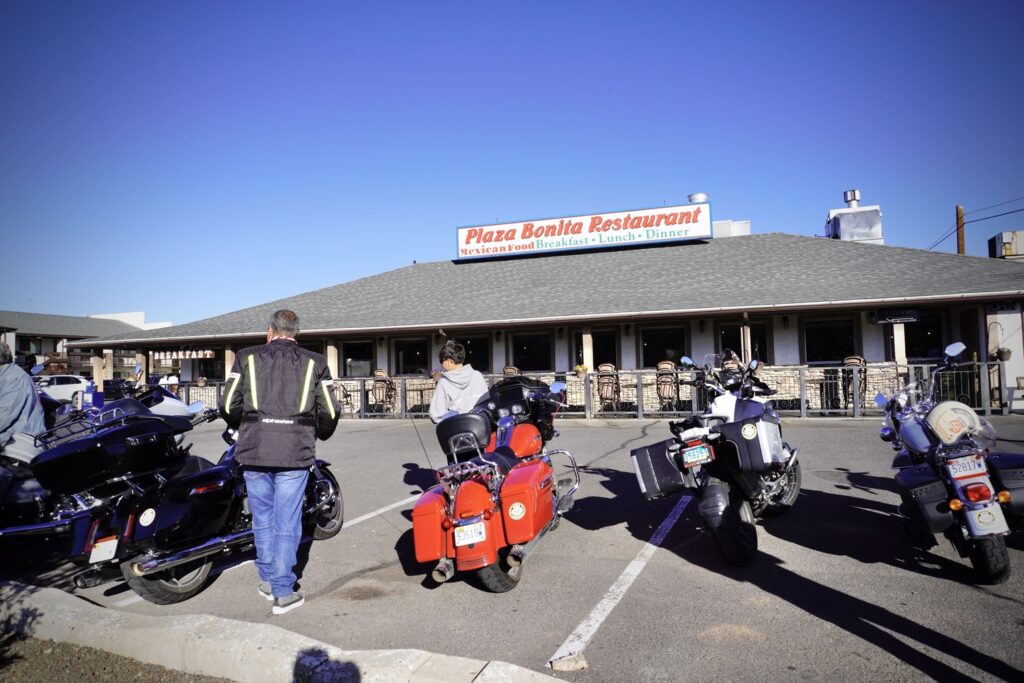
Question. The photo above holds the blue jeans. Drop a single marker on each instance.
(275, 499)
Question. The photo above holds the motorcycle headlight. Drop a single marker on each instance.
(517, 409)
(503, 412)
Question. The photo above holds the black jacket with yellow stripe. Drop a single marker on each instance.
(278, 396)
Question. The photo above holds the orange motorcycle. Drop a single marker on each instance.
(499, 495)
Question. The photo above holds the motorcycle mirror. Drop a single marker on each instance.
(196, 407)
(880, 400)
(753, 365)
(557, 387)
(887, 434)
(955, 349)
(686, 362)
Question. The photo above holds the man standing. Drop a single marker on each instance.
(278, 397)
(20, 410)
(459, 387)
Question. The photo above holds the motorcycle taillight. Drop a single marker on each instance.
(977, 492)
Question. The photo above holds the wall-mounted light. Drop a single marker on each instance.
(628, 329)
(700, 325)
(380, 341)
(873, 317)
(497, 336)
(785, 322)
(561, 332)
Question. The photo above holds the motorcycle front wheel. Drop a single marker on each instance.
(173, 585)
(990, 559)
(782, 501)
(736, 536)
(500, 577)
(328, 521)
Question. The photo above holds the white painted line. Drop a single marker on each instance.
(381, 511)
(579, 638)
(236, 566)
(129, 601)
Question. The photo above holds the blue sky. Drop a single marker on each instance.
(193, 158)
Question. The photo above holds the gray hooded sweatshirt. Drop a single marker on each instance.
(458, 391)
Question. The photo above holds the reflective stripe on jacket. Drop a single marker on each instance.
(278, 396)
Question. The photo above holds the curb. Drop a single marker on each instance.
(225, 648)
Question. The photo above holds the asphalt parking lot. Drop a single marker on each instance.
(836, 590)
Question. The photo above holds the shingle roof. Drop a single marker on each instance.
(63, 326)
(767, 271)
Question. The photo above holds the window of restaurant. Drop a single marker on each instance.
(605, 348)
(729, 337)
(922, 339)
(478, 352)
(828, 342)
(665, 343)
(533, 352)
(412, 356)
(32, 345)
(357, 359)
(211, 368)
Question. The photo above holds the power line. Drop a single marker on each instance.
(976, 220)
(1008, 201)
(952, 230)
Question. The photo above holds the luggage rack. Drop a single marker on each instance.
(87, 424)
(452, 475)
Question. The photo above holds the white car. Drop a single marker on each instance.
(62, 387)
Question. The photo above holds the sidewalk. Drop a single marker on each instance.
(239, 651)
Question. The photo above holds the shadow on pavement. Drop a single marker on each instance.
(16, 619)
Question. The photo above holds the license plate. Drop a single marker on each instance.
(470, 533)
(103, 550)
(966, 467)
(696, 455)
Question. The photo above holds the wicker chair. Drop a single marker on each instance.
(608, 389)
(667, 384)
(383, 391)
(510, 371)
(852, 364)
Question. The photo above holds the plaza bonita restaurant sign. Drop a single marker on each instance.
(593, 231)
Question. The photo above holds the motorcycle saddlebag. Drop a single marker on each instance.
(657, 472)
(922, 490)
(1008, 474)
(527, 504)
(758, 442)
(428, 536)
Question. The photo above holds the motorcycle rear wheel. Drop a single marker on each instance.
(990, 559)
(786, 498)
(500, 577)
(328, 522)
(736, 537)
(173, 585)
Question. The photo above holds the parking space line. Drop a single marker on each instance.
(128, 601)
(380, 511)
(581, 637)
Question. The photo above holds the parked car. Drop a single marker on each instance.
(116, 388)
(62, 387)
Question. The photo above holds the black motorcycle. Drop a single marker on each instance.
(126, 497)
(731, 457)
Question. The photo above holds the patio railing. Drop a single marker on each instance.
(840, 391)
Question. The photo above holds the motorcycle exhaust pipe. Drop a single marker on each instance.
(518, 554)
(211, 547)
(88, 579)
(444, 570)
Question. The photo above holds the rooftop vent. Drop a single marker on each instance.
(855, 223)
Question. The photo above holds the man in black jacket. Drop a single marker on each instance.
(279, 398)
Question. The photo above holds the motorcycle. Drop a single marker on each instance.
(498, 495)
(117, 486)
(950, 481)
(731, 457)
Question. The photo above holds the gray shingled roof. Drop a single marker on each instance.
(757, 272)
(62, 326)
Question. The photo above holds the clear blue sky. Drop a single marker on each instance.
(193, 158)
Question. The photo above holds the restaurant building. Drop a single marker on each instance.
(628, 290)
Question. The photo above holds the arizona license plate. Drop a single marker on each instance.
(696, 455)
(103, 549)
(966, 467)
(470, 533)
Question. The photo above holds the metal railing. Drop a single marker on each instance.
(804, 391)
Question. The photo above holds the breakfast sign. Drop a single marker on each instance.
(593, 231)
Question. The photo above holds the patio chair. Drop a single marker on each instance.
(608, 389)
(852, 364)
(667, 384)
(344, 397)
(510, 371)
(383, 391)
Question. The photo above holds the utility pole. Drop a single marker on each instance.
(960, 230)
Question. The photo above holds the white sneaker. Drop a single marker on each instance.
(288, 603)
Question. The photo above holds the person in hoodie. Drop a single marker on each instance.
(459, 387)
(20, 410)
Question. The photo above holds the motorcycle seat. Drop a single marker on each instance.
(193, 464)
(503, 457)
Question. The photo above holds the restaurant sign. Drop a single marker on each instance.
(592, 231)
(182, 355)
